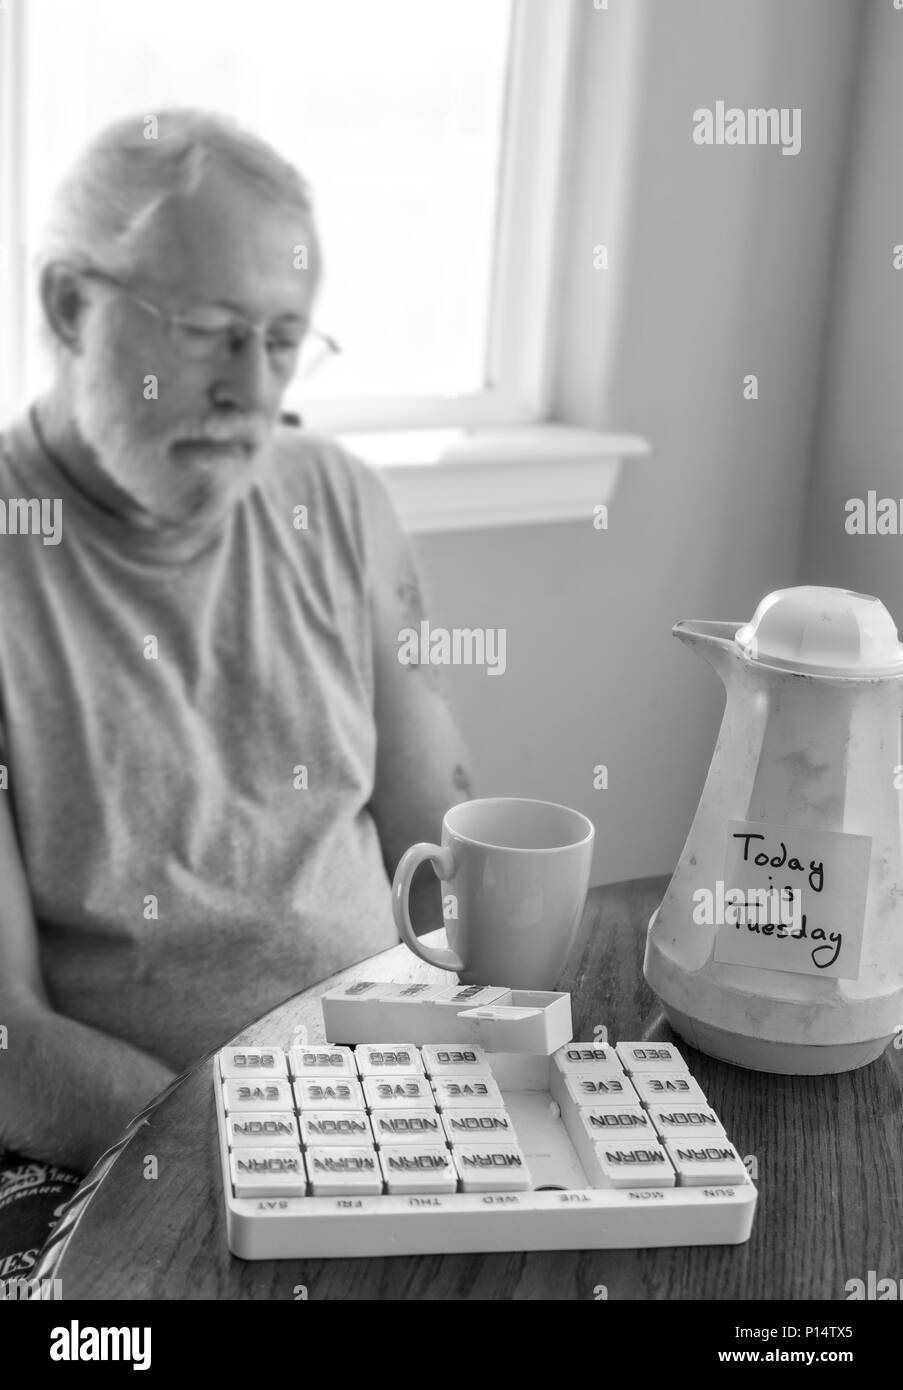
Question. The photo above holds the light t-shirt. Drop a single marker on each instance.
(192, 812)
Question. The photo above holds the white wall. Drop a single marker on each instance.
(725, 262)
(859, 444)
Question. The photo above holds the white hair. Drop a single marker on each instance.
(132, 167)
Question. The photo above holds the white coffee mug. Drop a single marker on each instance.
(514, 876)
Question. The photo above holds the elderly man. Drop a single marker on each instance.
(213, 756)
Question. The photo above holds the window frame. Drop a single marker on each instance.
(523, 327)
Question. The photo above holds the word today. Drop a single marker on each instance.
(730, 125)
(781, 860)
(462, 646)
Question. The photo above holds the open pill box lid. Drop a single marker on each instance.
(496, 1018)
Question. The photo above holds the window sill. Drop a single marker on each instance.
(454, 480)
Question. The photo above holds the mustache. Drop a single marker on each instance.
(251, 433)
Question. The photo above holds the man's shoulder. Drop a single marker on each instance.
(332, 473)
(301, 452)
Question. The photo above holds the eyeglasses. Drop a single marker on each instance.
(210, 334)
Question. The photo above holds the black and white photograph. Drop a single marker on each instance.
(451, 674)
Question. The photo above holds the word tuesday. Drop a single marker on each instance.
(738, 908)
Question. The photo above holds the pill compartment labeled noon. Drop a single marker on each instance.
(262, 1129)
(414, 1125)
(347, 1128)
(615, 1122)
(465, 1125)
(690, 1121)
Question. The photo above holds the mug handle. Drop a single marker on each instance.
(443, 863)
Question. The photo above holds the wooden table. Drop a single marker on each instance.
(828, 1151)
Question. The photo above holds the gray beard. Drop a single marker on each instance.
(160, 492)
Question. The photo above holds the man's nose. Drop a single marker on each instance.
(244, 378)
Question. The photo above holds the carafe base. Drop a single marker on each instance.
(785, 1059)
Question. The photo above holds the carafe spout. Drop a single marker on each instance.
(712, 640)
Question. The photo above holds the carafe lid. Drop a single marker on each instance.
(831, 632)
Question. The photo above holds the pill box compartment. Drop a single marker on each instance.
(494, 1017)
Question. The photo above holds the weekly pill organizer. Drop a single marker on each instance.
(459, 1119)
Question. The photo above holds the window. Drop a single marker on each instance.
(431, 133)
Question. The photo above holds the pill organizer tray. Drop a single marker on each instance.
(570, 1215)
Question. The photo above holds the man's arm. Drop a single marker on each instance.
(66, 1091)
(422, 762)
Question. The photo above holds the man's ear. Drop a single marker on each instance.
(64, 303)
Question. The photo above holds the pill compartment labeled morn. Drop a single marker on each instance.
(433, 1119)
